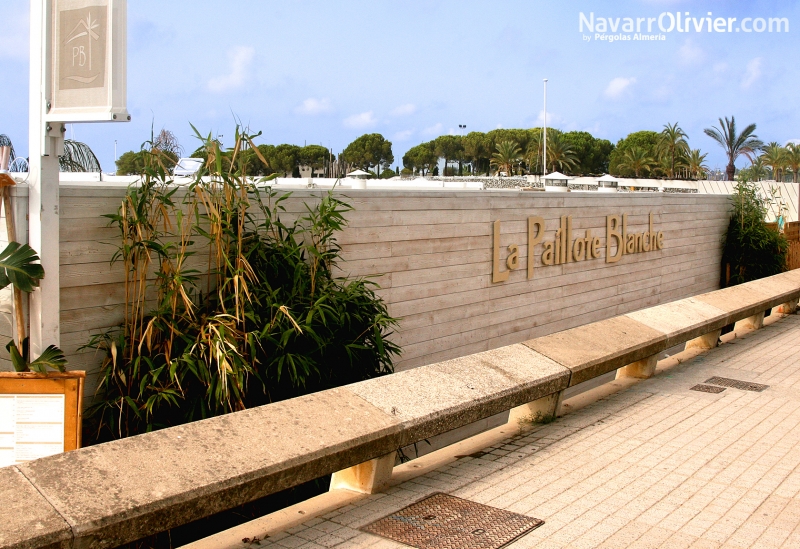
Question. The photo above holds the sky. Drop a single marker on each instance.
(326, 72)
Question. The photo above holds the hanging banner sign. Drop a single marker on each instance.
(88, 61)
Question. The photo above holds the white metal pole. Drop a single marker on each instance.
(46, 142)
(544, 146)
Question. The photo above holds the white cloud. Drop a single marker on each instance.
(617, 86)
(690, 54)
(312, 106)
(552, 119)
(753, 72)
(403, 135)
(239, 60)
(436, 129)
(361, 121)
(720, 67)
(404, 110)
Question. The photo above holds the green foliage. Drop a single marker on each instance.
(388, 174)
(368, 151)
(734, 143)
(78, 157)
(646, 142)
(17, 267)
(267, 319)
(752, 249)
(560, 155)
(131, 163)
(793, 160)
(313, 156)
(52, 358)
(448, 147)
(591, 153)
(636, 161)
(672, 148)
(284, 159)
(422, 158)
(572, 152)
(507, 155)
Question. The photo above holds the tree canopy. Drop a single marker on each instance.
(620, 160)
(368, 151)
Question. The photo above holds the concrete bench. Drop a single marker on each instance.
(106, 495)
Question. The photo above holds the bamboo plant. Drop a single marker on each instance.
(227, 307)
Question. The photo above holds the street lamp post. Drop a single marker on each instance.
(461, 128)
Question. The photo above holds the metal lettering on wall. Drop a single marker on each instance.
(564, 248)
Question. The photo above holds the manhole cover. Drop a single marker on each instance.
(707, 388)
(736, 384)
(442, 521)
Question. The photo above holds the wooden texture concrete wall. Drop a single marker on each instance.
(432, 251)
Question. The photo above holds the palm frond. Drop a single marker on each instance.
(18, 267)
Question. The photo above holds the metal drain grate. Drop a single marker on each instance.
(442, 521)
(707, 388)
(736, 384)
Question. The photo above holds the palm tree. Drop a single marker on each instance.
(78, 157)
(672, 144)
(757, 170)
(507, 154)
(793, 159)
(695, 162)
(533, 155)
(775, 157)
(636, 160)
(560, 156)
(735, 144)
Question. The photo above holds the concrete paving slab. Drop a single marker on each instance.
(655, 465)
(595, 349)
(225, 461)
(36, 523)
(434, 399)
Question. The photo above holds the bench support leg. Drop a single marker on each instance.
(542, 408)
(755, 322)
(707, 341)
(788, 308)
(641, 369)
(369, 477)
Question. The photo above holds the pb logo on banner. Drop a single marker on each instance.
(87, 81)
(82, 48)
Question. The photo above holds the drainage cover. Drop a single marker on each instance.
(736, 384)
(707, 388)
(442, 521)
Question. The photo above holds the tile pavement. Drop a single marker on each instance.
(653, 466)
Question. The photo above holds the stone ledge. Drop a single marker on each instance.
(598, 348)
(29, 521)
(434, 399)
(118, 492)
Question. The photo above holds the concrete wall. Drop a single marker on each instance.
(433, 251)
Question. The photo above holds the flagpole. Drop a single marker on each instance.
(544, 146)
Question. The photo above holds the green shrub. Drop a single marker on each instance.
(267, 320)
(752, 249)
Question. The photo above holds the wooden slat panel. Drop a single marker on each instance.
(434, 250)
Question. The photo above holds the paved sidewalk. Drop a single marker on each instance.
(656, 465)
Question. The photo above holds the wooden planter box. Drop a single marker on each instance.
(40, 414)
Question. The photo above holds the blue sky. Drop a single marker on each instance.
(326, 72)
